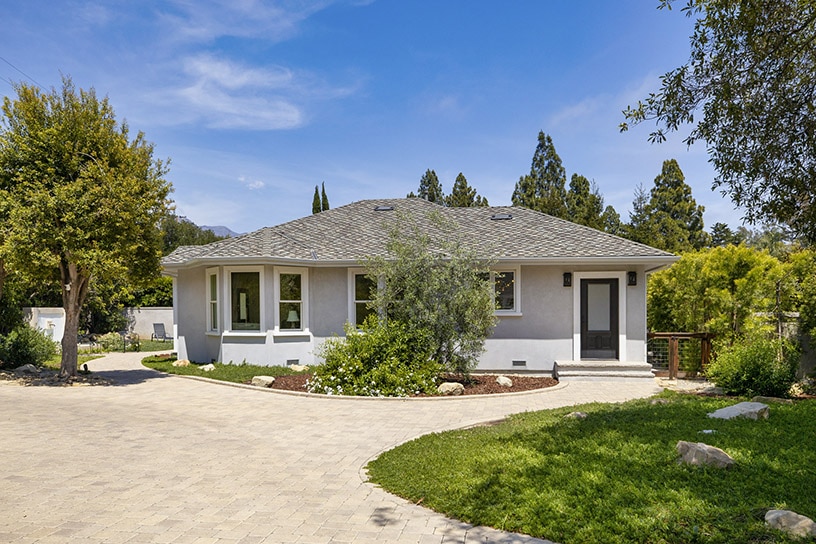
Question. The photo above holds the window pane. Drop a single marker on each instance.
(290, 315)
(246, 301)
(363, 286)
(290, 287)
(213, 287)
(505, 290)
(362, 311)
(213, 316)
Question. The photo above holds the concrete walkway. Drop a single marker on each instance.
(166, 459)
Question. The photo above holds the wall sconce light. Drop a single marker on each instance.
(631, 278)
(567, 279)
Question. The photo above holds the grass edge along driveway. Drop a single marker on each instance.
(614, 476)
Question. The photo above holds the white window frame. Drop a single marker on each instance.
(210, 273)
(516, 270)
(352, 300)
(226, 315)
(304, 300)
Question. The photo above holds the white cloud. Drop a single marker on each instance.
(251, 184)
(205, 21)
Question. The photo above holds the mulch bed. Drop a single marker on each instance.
(481, 384)
(51, 378)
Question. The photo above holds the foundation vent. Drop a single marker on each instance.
(519, 363)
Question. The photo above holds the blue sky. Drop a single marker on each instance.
(256, 102)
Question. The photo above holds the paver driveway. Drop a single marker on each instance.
(167, 459)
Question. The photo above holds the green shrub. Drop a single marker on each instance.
(111, 341)
(381, 360)
(25, 345)
(755, 367)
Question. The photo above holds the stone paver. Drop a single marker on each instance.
(163, 459)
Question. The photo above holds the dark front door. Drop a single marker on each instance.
(599, 318)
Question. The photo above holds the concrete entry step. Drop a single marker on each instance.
(603, 368)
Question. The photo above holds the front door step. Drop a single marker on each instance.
(603, 369)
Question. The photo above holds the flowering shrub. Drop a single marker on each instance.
(754, 367)
(380, 360)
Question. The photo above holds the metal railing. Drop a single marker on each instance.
(671, 353)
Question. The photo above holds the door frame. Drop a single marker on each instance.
(576, 310)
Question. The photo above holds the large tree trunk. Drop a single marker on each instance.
(74, 289)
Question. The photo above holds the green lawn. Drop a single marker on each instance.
(614, 476)
(54, 362)
(240, 373)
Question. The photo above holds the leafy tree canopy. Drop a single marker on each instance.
(748, 92)
(179, 231)
(430, 282)
(80, 200)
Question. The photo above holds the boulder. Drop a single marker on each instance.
(654, 402)
(576, 415)
(504, 381)
(450, 388)
(263, 381)
(298, 368)
(750, 410)
(181, 362)
(207, 368)
(698, 453)
(27, 369)
(791, 523)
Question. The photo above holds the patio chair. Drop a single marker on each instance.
(158, 332)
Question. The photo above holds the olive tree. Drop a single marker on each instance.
(80, 199)
(432, 281)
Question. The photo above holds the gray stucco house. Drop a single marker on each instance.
(566, 293)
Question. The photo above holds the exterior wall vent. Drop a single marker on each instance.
(383, 208)
(290, 362)
(519, 363)
(501, 217)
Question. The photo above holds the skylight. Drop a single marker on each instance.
(501, 217)
(383, 208)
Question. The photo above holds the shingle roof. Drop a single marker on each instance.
(349, 234)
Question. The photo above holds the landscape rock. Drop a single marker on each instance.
(750, 410)
(263, 381)
(576, 415)
(207, 368)
(504, 381)
(298, 368)
(451, 388)
(181, 362)
(698, 453)
(791, 522)
(27, 369)
(658, 401)
(777, 400)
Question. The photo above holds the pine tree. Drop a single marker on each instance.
(611, 222)
(543, 189)
(463, 195)
(429, 188)
(324, 200)
(316, 201)
(670, 219)
(584, 203)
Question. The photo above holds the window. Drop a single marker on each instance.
(245, 300)
(505, 284)
(212, 300)
(506, 289)
(291, 291)
(363, 287)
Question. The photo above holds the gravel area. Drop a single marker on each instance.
(481, 384)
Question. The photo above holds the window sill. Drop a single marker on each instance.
(508, 314)
(213, 333)
(244, 333)
(279, 332)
